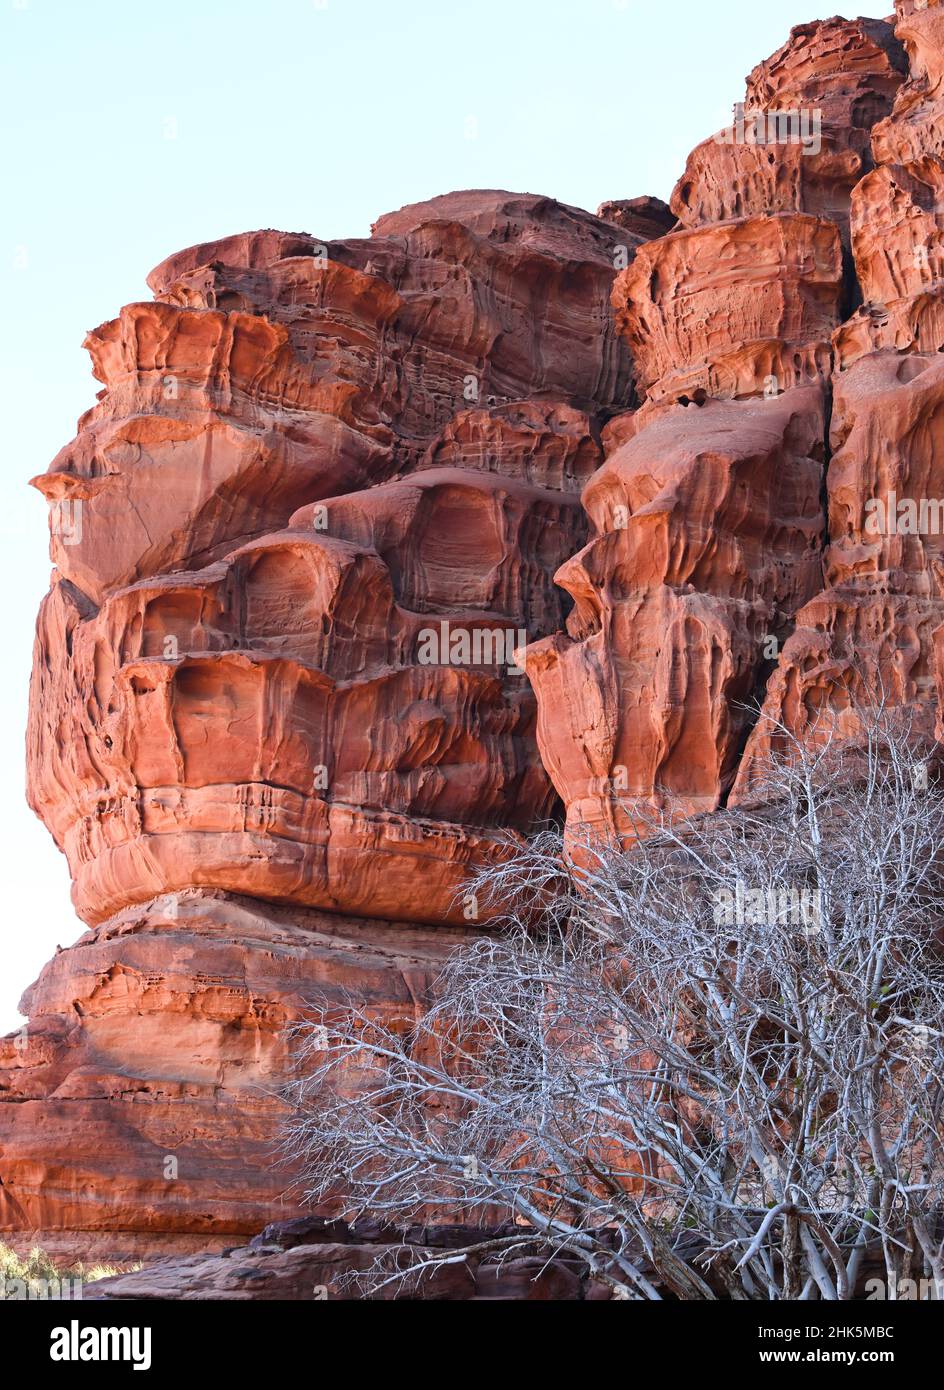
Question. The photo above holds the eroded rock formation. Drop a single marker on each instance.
(309, 1258)
(870, 632)
(787, 401)
(836, 78)
(337, 498)
(318, 507)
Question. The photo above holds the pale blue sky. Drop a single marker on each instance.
(133, 129)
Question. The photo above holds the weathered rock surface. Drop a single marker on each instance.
(834, 79)
(646, 217)
(726, 563)
(334, 495)
(727, 308)
(318, 506)
(708, 526)
(870, 633)
(139, 1112)
(274, 370)
(308, 1260)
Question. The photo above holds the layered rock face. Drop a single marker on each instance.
(317, 508)
(141, 1110)
(708, 540)
(375, 555)
(869, 633)
(303, 494)
(767, 526)
(800, 141)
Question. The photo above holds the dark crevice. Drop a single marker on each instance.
(754, 704)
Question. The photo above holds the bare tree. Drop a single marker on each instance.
(708, 1067)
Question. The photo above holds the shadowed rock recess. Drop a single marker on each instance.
(373, 551)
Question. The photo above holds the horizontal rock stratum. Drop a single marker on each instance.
(276, 714)
(375, 555)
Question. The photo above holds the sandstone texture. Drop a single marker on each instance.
(141, 1114)
(869, 633)
(276, 716)
(375, 555)
(842, 77)
(786, 337)
(312, 1260)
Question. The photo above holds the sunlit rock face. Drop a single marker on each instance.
(276, 717)
(767, 527)
(319, 505)
(830, 84)
(375, 555)
(714, 528)
(141, 1117)
(870, 633)
(707, 534)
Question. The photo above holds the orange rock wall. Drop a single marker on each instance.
(276, 715)
(374, 555)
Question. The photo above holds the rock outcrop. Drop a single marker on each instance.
(327, 1261)
(375, 555)
(768, 525)
(869, 633)
(827, 87)
(141, 1109)
(708, 528)
(318, 507)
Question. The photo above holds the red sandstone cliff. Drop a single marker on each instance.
(328, 489)
(275, 710)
